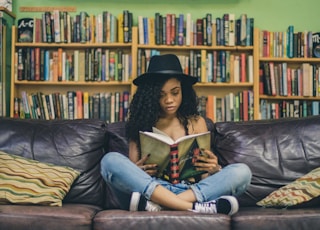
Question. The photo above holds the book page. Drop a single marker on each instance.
(158, 131)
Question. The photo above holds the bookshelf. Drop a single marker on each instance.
(231, 87)
(92, 87)
(207, 87)
(6, 21)
(291, 89)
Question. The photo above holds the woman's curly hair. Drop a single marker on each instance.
(144, 110)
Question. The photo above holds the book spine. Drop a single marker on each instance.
(157, 28)
(126, 26)
(209, 29)
(180, 30)
(20, 64)
(56, 24)
(126, 95)
(174, 164)
(199, 32)
(71, 106)
(37, 64)
(232, 30)
(290, 34)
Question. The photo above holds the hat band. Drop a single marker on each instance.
(167, 72)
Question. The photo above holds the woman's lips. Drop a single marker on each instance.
(169, 108)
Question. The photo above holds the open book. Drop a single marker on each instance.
(159, 145)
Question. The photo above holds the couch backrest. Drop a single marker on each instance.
(277, 151)
(79, 144)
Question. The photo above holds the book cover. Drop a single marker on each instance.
(159, 145)
(25, 30)
(316, 44)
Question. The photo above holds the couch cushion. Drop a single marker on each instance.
(35, 217)
(277, 151)
(169, 220)
(253, 218)
(300, 191)
(26, 181)
(79, 144)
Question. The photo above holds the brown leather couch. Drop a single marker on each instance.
(277, 151)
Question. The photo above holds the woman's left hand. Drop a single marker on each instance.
(207, 162)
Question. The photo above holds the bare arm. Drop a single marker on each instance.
(134, 155)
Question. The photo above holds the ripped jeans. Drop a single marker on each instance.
(125, 177)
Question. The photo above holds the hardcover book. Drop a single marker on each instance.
(161, 147)
(25, 30)
(316, 44)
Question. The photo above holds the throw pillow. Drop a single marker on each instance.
(27, 181)
(301, 190)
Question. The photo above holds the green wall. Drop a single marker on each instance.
(273, 15)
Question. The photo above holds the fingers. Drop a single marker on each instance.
(207, 161)
(151, 169)
(207, 157)
(207, 153)
(143, 159)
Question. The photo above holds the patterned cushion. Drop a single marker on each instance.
(301, 190)
(26, 181)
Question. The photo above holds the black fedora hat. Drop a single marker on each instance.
(167, 65)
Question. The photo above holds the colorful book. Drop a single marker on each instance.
(25, 30)
(316, 44)
(160, 148)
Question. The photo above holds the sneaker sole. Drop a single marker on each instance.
(134, 202)
(234, 204)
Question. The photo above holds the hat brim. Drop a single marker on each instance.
(151, 77)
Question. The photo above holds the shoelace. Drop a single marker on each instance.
(209, 207)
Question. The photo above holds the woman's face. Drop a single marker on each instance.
(170, 97)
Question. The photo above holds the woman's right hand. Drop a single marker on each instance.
(151, 169)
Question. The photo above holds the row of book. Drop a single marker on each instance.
(95, 64)
(59, 26)
(221, 66)
(113, 107)
(106, 106)
(231, 107)
(225, 66)
(289, 43)
(288, 108)
(172, 29)
(279, 79)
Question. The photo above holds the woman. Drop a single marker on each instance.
(165, 99)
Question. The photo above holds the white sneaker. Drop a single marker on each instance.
(225, 204)
(140, 203)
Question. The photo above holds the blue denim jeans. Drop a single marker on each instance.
(125, 177)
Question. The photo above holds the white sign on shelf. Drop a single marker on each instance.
(6, 4)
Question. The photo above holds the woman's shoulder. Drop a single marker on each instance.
(199, 124)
